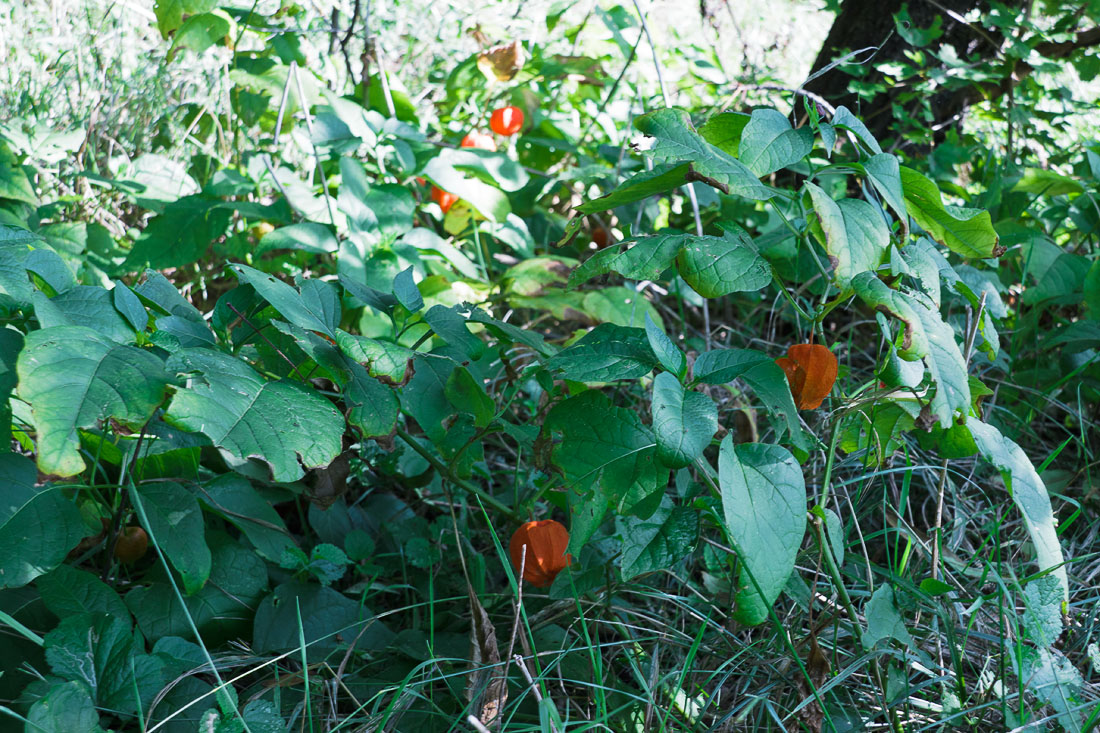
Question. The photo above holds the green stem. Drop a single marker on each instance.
(438, 465)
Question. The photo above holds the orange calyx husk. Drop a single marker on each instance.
(545, 556)
(506, 121)
(811, 371)
(479, 140)
(445, 199)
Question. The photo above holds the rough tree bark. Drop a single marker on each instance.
(866, 23)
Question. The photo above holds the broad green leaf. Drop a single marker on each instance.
(85, 305)
(670, 356)
(1029, 493)
(845, 119)
(468, 395)
(663, 178)
(170, 13)
(926, 336)
(621, 306)
(684, 422)
(11, 343)
(74, 378)
(279, 423)
(327, 619)
(768, 142)
(406, 292)
(14, 182)
(884, 171)
(764, 506)
(856, 235)
(234, 498)
(677, 141)
(717, 266)
(660, 542)
(1046, 182)
(967, 232)
(200, 32)
(180, 235)
(385, 360)
(490, 202)
(15, 247)
(1043, 610)
(489, 166)
(306, 236)
(883, 620)
(38, 525)
(159, 292)
(724, 130)
(130, 306)
(605, 354)
(174, 522)
(315, 306)
(66, 708)
(1051, 677)
(762, 374)
(449, 324)
(67, 591)
(606, 454)
(51, 269)
(101, 652)
(383, 210)
(649, 256)
(222, 610)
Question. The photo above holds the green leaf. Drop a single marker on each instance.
(315, 306)
(845, 119)
(84, 305)
(100, 652)
(170, 13)
(684, 422)
(764, 506)
(382, 210)
(38, 525)
(174, 521)
(279, 423)
(605, 454)
(66, 708)
(406, 292)
(305, 236)
(648, 256)
(1029, 493)
(182, 234)
(67, 591)
(768, 142)
(676, 141)
(856, 235)
(717, 266)
(327, 619)
(234, 498)
(724, 130)
(884, 171)
(200, 32)
(222, 610)
(762, 374)
(75, 378)
(925, 336)
(967, 232)
(883, 620)
(662, 178)
(1050, 676)
(605, 354)
(15, 247)
(384, 360)
(468, 395)
(667, 353)
(1043, 610)
(659, 542)
(490, 202)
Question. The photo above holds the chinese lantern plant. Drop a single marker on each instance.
(538, 551)
(617, 463)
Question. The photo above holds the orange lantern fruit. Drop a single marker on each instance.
(811, 370)
(445, 199)
(479, 140)
(545, 542)
(131, 544)
(506, 121)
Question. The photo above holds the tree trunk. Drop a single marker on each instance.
(870, 23)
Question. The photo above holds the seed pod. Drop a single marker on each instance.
(545, 557)
(811, 370)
